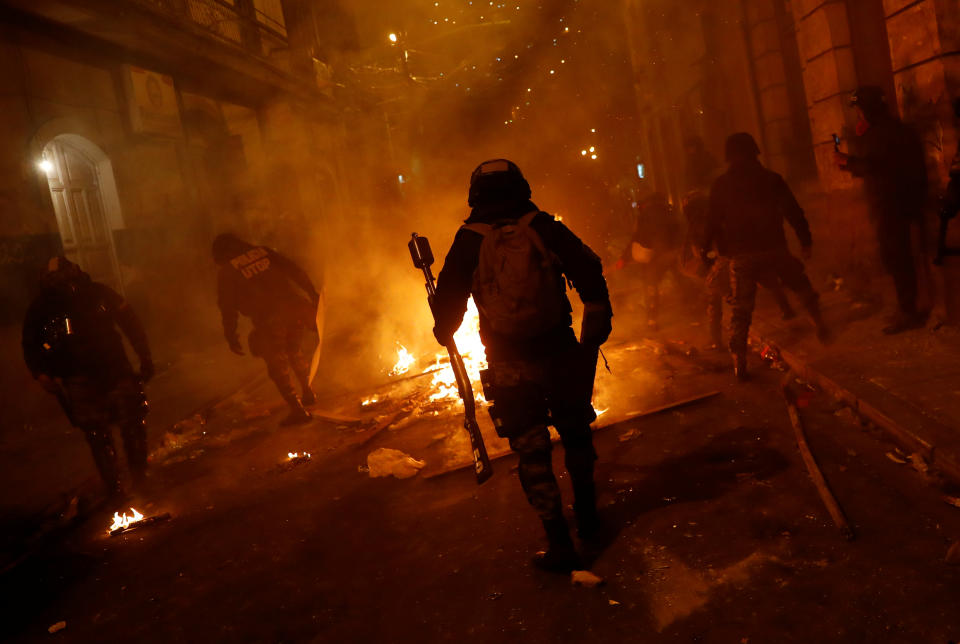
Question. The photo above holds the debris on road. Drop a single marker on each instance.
(919, 463)
(392, 462)
(586, 579)
(613, 602)
(836, 512)
(293, 460)
(59, 626)
(629, 434)
(847, 415)
(896, 458)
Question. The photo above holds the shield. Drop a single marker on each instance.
(315, 361)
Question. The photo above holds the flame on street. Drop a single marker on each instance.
(293, 455)
(370, 401)
(444, 383)
(405, 360)
(474, 359)
(124, 521)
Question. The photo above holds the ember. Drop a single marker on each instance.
(297, 455)
(123, 522)
(370, 401)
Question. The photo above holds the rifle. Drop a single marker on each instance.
(423, 259)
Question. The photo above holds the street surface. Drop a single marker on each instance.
(718, 534)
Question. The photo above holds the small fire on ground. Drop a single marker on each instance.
(295, 455)
(124, 521)
(444, 384)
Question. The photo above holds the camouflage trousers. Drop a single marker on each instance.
(748, 270)
(94, 409)
(718, 288)
(280, 343)
(528, 397)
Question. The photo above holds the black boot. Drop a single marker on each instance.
(560, 555)
(585, 511)
(298, 415)
(584, 500)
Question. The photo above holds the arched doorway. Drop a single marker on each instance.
(85, 201)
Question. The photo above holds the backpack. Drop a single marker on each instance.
(517, 284)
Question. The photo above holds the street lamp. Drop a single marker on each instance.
(392, 37)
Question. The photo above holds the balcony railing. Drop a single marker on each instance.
(254, 25)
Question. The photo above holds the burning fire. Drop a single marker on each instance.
(371, 400)
(474, 359)
(444, 383)
(124, 521)
(293, 455)
(405, 360)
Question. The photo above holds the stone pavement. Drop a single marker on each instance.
(908, 384)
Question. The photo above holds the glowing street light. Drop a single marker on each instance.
(392, 37)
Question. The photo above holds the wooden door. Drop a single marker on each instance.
(78, 204)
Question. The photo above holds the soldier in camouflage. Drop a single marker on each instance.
(72, 347)
(536, 378)
(748, 205)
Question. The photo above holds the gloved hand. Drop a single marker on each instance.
(146, 370)
(235, 346)
(597, 324)
(443, 338)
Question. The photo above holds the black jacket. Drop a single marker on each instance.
(748, 204)
(580, 265)
(70, 330)
(261, 284)
(890, 158)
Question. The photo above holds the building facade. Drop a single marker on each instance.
(784, 70)
(135, 131)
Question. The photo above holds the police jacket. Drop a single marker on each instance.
(579, 264)
(70, 330)
(890, 158)
(748, 204)
(261, 284)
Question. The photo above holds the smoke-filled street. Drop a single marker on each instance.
(468, 320)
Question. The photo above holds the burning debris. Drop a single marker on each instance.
(294, 459)
(366, 402)
(124, 523)
(443, 386)
(405, 360)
